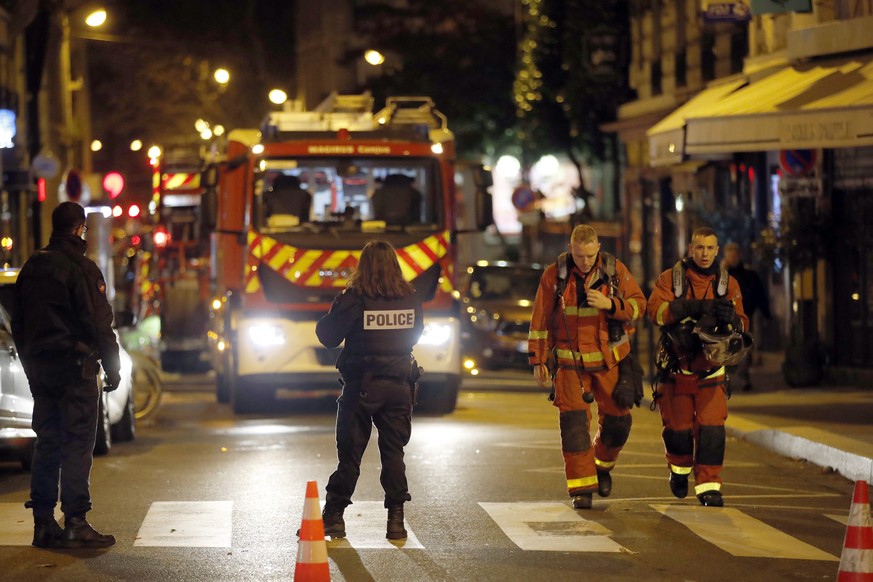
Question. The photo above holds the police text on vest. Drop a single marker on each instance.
(389, 319)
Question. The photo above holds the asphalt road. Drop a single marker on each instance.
(204, 495)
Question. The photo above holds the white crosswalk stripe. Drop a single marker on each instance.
(552, 527)
(189, 524)
(741, 535)
(365, 529)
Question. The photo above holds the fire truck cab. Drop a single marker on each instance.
(296, 202)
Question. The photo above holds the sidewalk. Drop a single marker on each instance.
(829, 426)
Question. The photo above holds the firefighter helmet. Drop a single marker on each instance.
(723, 346)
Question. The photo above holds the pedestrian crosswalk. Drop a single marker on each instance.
(531, 526)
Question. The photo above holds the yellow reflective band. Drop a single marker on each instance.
(604, 464)
(581, 311)
(718, 372)
(592, 357)
(568, 355)
(704, 487)
(583, 482)
(615, 354)
(680, 470)
(659, 316)
(636, 307)
(537, 335)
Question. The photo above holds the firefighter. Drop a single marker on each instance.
(380, 318)
(692, 390)
(582, 319)
(62, 324)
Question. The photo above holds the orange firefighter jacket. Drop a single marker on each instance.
(585, 333)
(699, 286)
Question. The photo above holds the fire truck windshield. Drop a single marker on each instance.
(312, 194)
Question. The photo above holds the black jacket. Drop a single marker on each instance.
(378, 333)
(61, 305)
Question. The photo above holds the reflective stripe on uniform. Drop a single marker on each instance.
(592, 357)
(680, 470)
(537, 335)
(568, 354)
(636, 309)
(718, 372)
(659, 316)
(583, 482)
(604, 464)
(704, 487)
(581, 311)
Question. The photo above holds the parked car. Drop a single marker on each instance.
(117, 412)
(496, 302)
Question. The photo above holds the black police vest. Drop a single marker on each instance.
(386, 327)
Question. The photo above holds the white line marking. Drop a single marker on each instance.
(741, 535)
(843, 519)
(550, 527)
(365, 529)
(17, 525)
(189, 524)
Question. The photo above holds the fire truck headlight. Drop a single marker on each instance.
(267, 335)
(435, 334)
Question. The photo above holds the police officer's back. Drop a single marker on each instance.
(62, 325)
(380, 319)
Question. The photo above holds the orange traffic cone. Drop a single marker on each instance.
(312, 563)
(856, 561)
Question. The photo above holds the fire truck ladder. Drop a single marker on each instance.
(411, 111)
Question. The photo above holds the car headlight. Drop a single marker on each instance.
(267, 334)
(484, 320)
(435, 334)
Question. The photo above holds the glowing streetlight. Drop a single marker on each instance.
(154, 152)
(278, 96)
(200, 125)
(135, 145)
(96, 18)
(374, 57)
(206, 133)
(222, 76)
(96, 145)
(218, 130)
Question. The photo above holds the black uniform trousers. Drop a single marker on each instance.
(65, 422)
(386, 403)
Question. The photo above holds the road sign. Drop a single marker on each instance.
(797, 162)
(45, 165)
(524, 198)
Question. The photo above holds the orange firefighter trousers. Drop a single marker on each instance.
(581, 459)
(693, 411)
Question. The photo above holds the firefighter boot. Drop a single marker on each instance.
(395, 530)
(711, 499)
(604, 483)
(46, 532)
(679, 485)
(334, 524)
(78, 533)
(582, 501)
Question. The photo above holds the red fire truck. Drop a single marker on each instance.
(296, 202)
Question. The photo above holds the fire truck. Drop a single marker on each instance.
(295, 204)
(178, 283)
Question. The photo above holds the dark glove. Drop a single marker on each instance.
(682, 308)
(724, 311)
(628, 390)
(111, 381)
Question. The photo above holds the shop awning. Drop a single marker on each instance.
(667, 137)
(811, 106)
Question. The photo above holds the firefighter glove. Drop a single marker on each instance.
(111, 381)
(628, 390)
(724, 311)
(683, 308)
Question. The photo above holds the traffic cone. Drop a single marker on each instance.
(312, 563)
(856, 561)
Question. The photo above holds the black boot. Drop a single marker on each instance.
(78, 533)
(46, 532)
(604, 483)
(396, 531)
(334, 524)
(711, 499)
(582, 501)
(679, 485)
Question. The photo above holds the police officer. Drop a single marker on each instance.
(62, 324)
(380, 318)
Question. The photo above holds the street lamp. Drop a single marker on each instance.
(96, 18)
(374, 57)
(135, 145)
(221, 76)
(278, 96)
